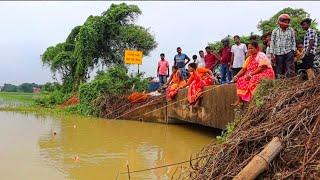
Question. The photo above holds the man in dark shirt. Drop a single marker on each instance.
(179, 60)
(225, 62)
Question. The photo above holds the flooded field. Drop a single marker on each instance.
(37, 147)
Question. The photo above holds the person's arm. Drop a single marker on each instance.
(158, 70)
(293, 41)
(232, 57)
(168, 68)
(240, 73)
(218, 59)
(170, 79)
(188, 60)
(272, 43)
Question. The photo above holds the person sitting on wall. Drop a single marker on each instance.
(199, 78)
(174, 83)
(256, 67)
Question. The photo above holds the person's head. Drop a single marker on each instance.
(192, 67)
(306, 23)
(208, 49)
(253, 48)
(266, 38)
(237, 39)
(284, 21)
(179, 50)
(174, 68)
(253, 38)
(300, 45)
(194, 57)
(201, 53)
(162, 56)
(225, 42)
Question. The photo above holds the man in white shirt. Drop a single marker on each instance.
(239, 51)
(200, 60)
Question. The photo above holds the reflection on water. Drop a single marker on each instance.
(29, 150)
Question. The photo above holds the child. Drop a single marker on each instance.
(299, 56)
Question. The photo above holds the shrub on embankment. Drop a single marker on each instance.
(107, 89)
(288, 109)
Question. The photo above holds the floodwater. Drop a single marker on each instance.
(87, 148)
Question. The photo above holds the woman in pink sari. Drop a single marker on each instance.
(256, 67)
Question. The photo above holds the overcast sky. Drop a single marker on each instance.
(28, 28)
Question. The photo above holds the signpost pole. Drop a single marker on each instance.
(138, 69)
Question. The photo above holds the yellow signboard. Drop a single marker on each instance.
(132, 57)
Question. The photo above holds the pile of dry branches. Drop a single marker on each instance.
(113, 106)
(290, 109)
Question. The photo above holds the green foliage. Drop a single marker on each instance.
(224, 136)
(50, 87)
(100, 39)
(113, 82)
(24, 87)
(297, 15)
(51, 99)
(9, 88)
(265, 86)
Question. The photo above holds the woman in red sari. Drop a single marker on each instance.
(174, 83)
(256, 67)
(199, 78)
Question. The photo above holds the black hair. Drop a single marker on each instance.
(266, 35)
(193, 65)
(236, 36)
(200, 51)
(306, 20)
(194, 57)
(253, 37)
(178, 48)
(208, 47)
(299, 42)
(175, 67)
(162, 54)
(254, 44)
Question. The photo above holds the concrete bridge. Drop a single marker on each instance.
(215, 109)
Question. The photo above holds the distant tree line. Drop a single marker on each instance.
(29, 87)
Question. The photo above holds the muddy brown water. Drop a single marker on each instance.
(88, 148)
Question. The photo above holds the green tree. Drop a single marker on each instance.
(297, 15)
(100, 39)
(27, 87)
(9, 88)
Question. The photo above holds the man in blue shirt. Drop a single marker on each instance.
(180, 61)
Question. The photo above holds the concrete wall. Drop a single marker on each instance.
(215, 108)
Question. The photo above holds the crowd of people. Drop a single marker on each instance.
(245, 65)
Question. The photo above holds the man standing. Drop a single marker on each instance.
(238, 51)
(225, 54)
(210, 59)
(200, 60)
(283, 47)
(310, 44)
(179, 60)
(163, 69)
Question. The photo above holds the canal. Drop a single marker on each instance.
(72, 147)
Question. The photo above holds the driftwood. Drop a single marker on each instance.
(260, 162)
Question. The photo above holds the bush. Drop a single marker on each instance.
(51, 99)
(114, 81)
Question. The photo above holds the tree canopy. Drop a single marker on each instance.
(101, 39)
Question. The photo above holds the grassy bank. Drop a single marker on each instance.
(25, 102)
(17, 96)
